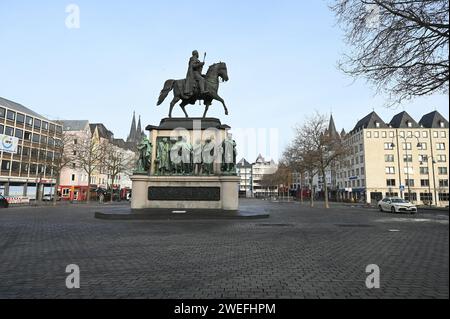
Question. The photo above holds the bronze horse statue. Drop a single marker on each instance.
(211, 84)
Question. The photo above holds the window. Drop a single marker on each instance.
(390, 170)
(402, 133)
(58, 129)
(388, 146)
(75, 141)
(363, 170)
(20, 118)
(15, 167)
(73, 178)
(25, 152)
(409, 134)
(9, 131)
(34, 153)
(33, 168)
(435, 134)
(427, 197)
(10, 115)
(424, 171)
(425, 134)
(441, 158)
(442, 170)
(43, 139)
(51, 141)
(409, 182)
(45, 126)
(74, 153)
(376, 134)
(361, 159)
(422, 146)
(443, 134)
(377, 124)
(2, 128)
(408, 170)
(443, 183)
(36, 138)
(27, 136)
(407, 158)
(383, 134)
(52, 127)
(424, 182)
(37, 124)
(369, 134)
(408, 123)
(6, 165)
(24, 169)
(361, 147)
(440, 146)
(413, 197)
(391, 194)
(407, 146)
(389, 158)
(49, 156)
(443, 197)
(29, 121)
(390, 182)
(19, 133)
(2, 112)
(391, 134)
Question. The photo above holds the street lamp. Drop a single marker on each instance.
(433, 162)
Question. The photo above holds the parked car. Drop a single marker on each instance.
(3, 202)
(396, 205)
(49, 198)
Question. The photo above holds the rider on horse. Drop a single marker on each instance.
(194, 75)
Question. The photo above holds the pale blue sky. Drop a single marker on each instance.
(281, 58)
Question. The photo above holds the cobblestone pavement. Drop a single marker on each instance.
(299, 252)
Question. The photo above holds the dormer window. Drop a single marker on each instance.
(441, 124)
(377, 124)
(408, 123)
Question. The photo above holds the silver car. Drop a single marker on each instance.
(396, 205)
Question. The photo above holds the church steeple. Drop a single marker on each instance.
(132, 136)
(139, 128)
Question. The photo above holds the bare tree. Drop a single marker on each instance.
(89, 152)
(117, 160)
(62, 158)
(399, 45)
(314, 150)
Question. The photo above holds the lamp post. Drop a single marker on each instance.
(433, 162)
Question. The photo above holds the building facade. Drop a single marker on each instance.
(74, 181)
(245, 171)
(29, 172)
(401, 158)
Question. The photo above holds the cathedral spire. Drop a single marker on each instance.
(139, 128)
(132, 135)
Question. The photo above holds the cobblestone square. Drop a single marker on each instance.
(299, 252)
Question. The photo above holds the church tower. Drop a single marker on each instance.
(132, 136)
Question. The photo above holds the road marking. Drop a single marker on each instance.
(394, 230)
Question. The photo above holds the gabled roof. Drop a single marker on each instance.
(243, 163)
(402, 119)
(260, 159)
(19, 108)
(103, 132)
(433, 120)
(370, 121)
(74, 125)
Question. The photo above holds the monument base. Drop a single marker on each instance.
(185, 192)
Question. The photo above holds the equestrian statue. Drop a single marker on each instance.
(196, 86)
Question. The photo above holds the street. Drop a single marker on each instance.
(298, 252)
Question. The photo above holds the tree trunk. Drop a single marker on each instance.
(112, 188)
(88, 197)
(312, 194)
(325, 189)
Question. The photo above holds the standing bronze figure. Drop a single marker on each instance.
(196, 87)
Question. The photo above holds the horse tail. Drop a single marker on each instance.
(168, 86)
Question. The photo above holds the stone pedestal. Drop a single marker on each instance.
(185, 192)
(204, 188)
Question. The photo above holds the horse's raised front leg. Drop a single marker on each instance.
(172, 104)
(218, 98)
